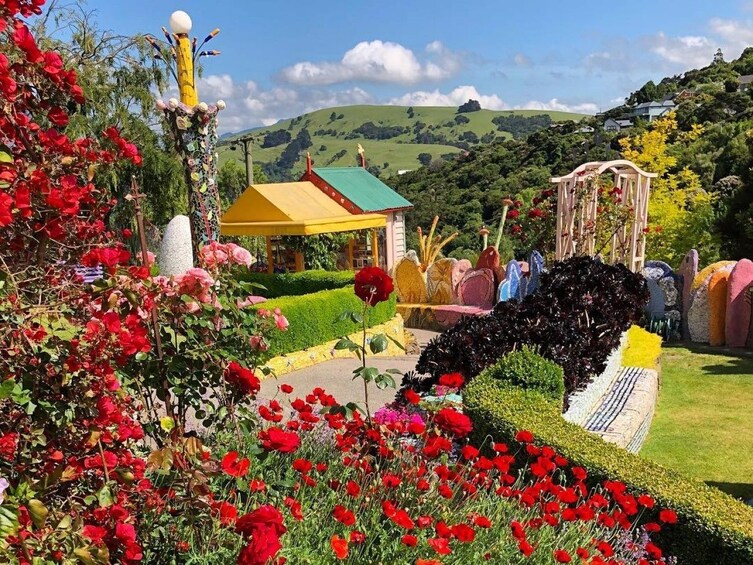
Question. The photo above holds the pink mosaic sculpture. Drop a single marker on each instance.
(477, 288)
(738, 310)
(489, 259)
(688, 270)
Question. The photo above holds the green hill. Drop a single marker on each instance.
(392, 136)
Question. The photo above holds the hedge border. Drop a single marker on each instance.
(713, 527)
(314, 318)
(297, 284)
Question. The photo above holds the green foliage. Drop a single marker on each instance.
(296, 284)
(520, 126)
(713, 527)
(231, 181)
(276, 137)
(317, 318)
(528, 370)
(470, 106)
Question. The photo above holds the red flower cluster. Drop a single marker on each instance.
(373, 285)
(261, 529)
(241, 379)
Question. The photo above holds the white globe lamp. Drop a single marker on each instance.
(180, 22)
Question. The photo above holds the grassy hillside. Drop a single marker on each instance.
(433, 130)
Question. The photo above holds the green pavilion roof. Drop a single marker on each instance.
(362, 188)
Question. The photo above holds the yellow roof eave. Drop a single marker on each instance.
(305, 227)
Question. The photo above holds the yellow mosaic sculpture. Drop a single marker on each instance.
(718, 307)
(705, 273)
(410, 281)
(430, 246)
(439, 281)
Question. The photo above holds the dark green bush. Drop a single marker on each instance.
(713, 527)
(314, 318)
(527, 369)
(296, 284)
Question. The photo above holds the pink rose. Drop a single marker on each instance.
(213, 254)
(195, 282)
(257, 343)
(238, 255)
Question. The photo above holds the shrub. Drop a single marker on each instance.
(296, 284)
(576, 319)
(314, 318)
(528, 370)
(643, 349)
(713, 527)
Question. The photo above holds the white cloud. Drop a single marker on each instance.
(556, 105)
(690, 51)
(462, 94)
(377, 61)
(249, 105)
(458, 96)
(522, 60)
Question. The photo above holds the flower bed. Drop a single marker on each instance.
(712, 526)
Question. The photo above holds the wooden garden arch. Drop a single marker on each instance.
(576, 216)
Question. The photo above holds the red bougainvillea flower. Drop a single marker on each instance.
(339, 546)
(453, 422)
(277, 439)
(233, 466)
(262, 529)
(373, 285)
(452, 380)
(242, 379)
(668, 516)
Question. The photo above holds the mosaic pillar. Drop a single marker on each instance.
(194, 131)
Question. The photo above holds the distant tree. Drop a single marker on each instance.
(460, 119)
(410, 112)
(718, 57)
(275, 138)
(332, 116)
(371, 131)
(470, 106)
(424, 158)
(322, 148)
(469, 136)
(731, 86)
(231, 181)
(340, 116)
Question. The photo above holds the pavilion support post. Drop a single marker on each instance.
(374, 247)
(270, 256)
(351, 244)
(299, 268)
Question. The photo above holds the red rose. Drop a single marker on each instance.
(453, 422)
(262, 528)
(8, 446)
(242, 379)
(373, 285)
(452, 380)
(276, 439)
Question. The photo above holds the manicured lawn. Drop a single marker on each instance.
(704, 421)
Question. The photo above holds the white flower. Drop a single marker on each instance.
(221, 104)
(173, 103)
(202, 107)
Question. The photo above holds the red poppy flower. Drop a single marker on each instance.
(524, 436)
(440, 545)
(482, 522)
(411, 396)
(463, 533)
(646, 501)
(233, 466)
(352, 489)
(668, 516)
(525, 548)
(453, 422)
(373, 285)
(227, 513)
(343, 515)
(402, 519)
(339, 546)
(409, 540)
(357, 537)
(562, 556)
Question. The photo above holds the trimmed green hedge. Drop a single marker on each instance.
(528, 370)
(314, 318)
(713, 527)
(297, 284)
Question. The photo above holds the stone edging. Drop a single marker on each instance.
(318, 354)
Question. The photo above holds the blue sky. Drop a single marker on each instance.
(283, 58)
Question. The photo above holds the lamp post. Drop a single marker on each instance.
(245, 143)
(181, 24)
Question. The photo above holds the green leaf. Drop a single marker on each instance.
(38, 512)
(378, 343)
(65, 523)
(104, 496)
(356, 318)
(8, 521)
(384, 380)
(84, 556)
(396, 342)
